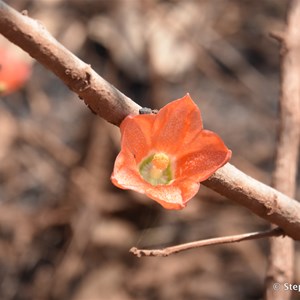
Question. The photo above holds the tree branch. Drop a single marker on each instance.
(99, 95)
(110, 104)
(261, 199)
(281, 259)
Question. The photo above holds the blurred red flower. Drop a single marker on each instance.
(14, 71)
(166, 155)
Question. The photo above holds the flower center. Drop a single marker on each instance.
(160, 161)
(156, 169)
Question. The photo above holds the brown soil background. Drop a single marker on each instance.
(65, 230)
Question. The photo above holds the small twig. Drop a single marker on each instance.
(203, 243)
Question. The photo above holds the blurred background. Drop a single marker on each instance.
(65, 230)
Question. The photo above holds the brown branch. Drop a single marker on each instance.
(100, 96)
(261, 199)
(204, 243)
(110, 104)
(281, 259)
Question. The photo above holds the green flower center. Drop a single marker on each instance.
(156, 169)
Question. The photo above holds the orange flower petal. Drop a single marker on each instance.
(126, 175)
(175, 195)
(205, 155)
(175, 123)
(136, 134)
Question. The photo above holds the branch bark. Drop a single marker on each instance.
(261, 199)
(110, 104)
(99, 95)
(281, 259)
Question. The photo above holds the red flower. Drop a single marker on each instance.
(14, 71)
(166, 155)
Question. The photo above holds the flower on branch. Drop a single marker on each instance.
(14, 71)
(166, 155)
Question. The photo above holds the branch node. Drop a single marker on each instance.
(24, 12)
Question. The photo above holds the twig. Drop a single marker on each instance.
(281, 259)
(203, 243)
(110, 104)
